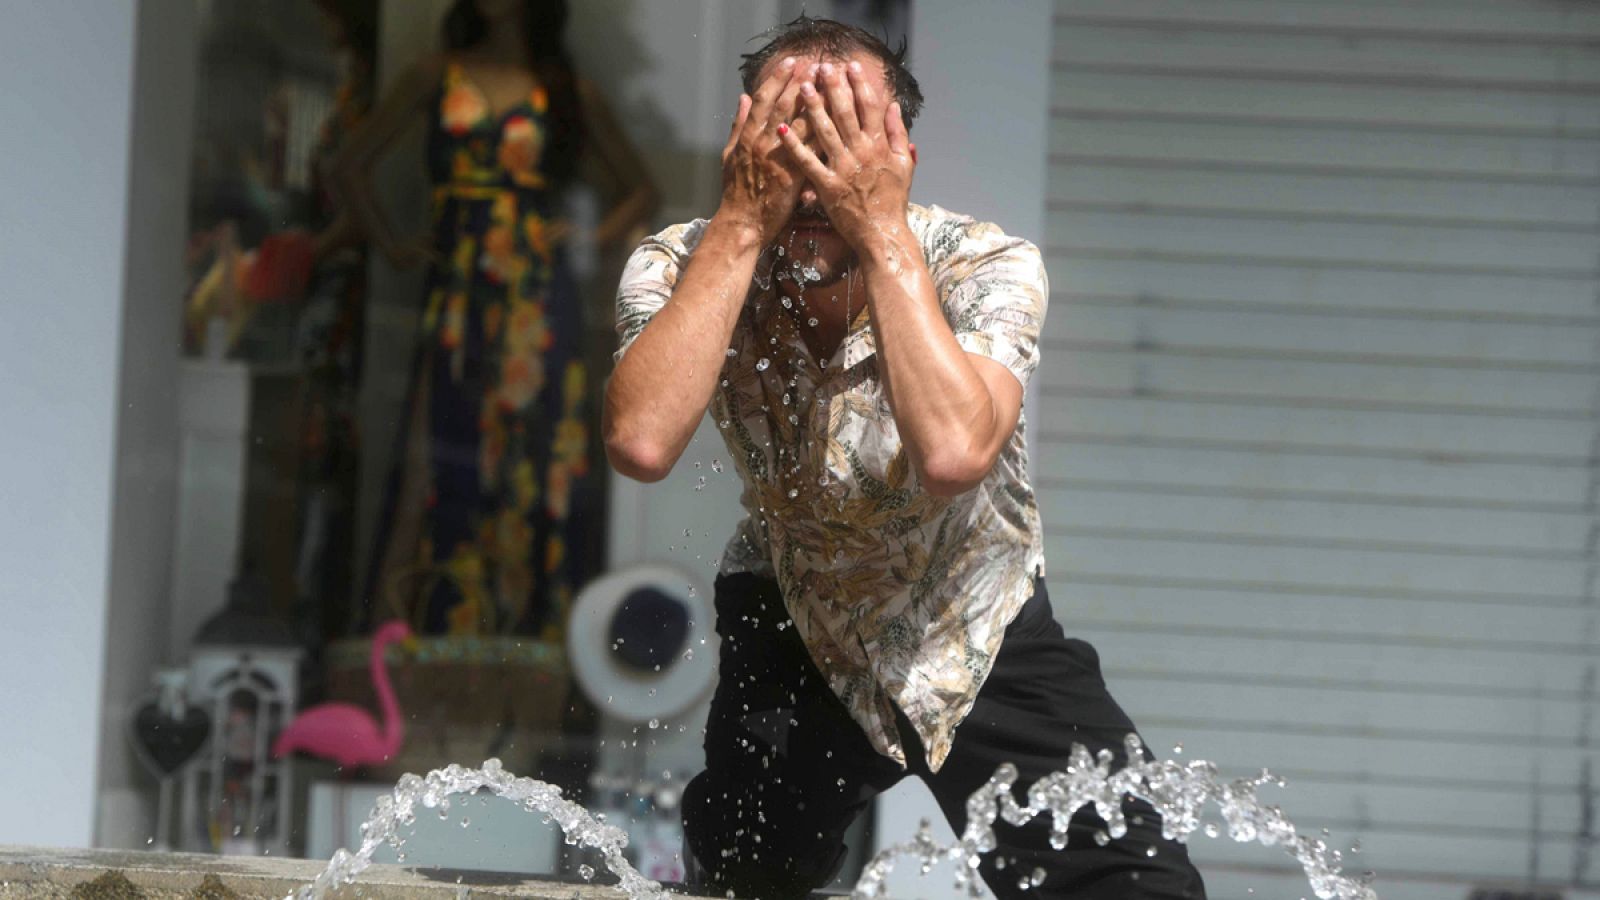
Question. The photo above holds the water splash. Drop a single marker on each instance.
(397, 811)
(1178, 791)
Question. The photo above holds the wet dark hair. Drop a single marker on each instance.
(806, 36)
(545, 23)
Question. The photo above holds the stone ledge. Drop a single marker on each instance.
(48, 872)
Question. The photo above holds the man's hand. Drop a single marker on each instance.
(662, 385)
(865, 183)
(760, 182)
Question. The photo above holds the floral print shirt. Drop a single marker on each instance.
(899, 596)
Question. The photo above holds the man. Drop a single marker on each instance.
(865, 359)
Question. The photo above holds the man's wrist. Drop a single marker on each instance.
(887, 243)
(739, 234)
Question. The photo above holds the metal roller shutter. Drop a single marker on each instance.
(1318, 423)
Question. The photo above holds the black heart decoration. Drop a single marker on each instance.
(165, 742)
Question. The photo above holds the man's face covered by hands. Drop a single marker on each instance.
(808, 239)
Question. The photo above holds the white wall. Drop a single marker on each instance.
(63, 217)
(984, 72)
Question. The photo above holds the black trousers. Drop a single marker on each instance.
(788, 770)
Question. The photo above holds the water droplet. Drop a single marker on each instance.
(1177, 749)
(716, 465)
(586, 872)
(812, 321)
(732, 352)
(465, 821)
(793, 493)
(1101, 838)
(1150, 851)
(1037, 878)
(762, 363)
(654, 724)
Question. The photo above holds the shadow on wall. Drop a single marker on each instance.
(628, 69)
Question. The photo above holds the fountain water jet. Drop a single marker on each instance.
(398, 809)
(1179, 792)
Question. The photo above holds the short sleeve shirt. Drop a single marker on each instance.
(900, 596)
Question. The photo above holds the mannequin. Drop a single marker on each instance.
(476, 533)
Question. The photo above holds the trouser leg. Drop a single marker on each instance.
(787, 769)
(1044, 694)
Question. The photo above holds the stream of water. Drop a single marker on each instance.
(1180, 792)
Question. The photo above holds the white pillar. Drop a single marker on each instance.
(63, 194)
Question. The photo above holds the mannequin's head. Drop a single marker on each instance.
(352, 26)
(498, 11)
(542, 24)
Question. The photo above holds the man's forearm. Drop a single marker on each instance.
(944, 411)
(662, 385)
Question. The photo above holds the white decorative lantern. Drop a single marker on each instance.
(244, 671)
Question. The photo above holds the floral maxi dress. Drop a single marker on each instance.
(500, 380)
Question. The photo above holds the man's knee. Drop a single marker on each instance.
(740, 848)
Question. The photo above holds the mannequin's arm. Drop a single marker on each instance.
(366, 145)
(630, 216)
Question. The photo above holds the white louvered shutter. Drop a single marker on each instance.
(1318, 429)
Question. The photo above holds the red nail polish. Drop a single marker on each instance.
(782, 128)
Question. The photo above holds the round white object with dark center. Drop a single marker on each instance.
(628, 623)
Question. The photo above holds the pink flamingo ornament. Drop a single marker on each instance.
(346, 733)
